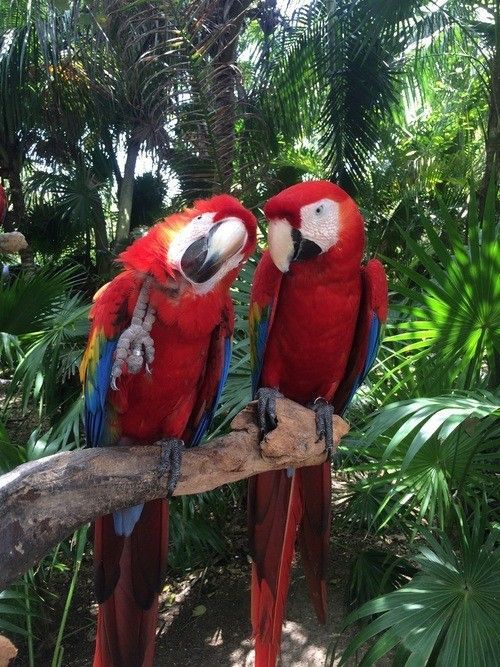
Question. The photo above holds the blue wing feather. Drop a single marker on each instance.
(371, 355)
(373, 343)
(259, 333)
(97, 381)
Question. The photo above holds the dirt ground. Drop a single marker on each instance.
(206, 621)
(205, 618)
(221, 635)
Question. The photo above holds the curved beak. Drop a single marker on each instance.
(287, 244)
(303, 248)
(205, 256)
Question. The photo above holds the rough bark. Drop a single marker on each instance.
(18, 214)
(102, 252)
(8, 652)
(45, 501)
(224, 20)
(223, 90)
(126, 193)
(11, 242)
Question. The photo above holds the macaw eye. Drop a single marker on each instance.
(319, 209)
(198, 217)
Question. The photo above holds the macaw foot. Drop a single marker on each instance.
(170, 461)
(266, 409)
(324, 413)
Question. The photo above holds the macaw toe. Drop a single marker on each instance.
(170, 461)
(266, 409)
(324, 429)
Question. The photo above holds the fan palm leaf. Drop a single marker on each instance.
(419, 454)
(448, 614)
(447, 328)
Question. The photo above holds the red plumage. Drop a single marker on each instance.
(3, 204)
(316, 345)
(190, 333)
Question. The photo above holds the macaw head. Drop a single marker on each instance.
(311, 219)
(200, 248)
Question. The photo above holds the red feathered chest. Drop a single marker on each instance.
(159, 403)
(313, 329)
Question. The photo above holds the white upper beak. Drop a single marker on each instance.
(280, 244)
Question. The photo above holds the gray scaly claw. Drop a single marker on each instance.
(170, 461)
(324, 430)
(266, 409)
(135, 347)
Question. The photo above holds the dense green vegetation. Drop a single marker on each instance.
(115, 113)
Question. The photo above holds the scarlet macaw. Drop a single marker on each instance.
(154, 368)
(4, 204)
(315, 319)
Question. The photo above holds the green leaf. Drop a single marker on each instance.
(451, 609)
(199, 610)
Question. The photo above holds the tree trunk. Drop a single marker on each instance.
(108, 144)
(18, 214)
(102, 252)
(222, 91)
(126, 194)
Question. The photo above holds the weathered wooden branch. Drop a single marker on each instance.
(44, 501)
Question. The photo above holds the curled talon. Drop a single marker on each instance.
(324, 429)
(266, 409)
(170, 461)
(135, 341)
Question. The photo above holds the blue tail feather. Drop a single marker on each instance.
(125, 520)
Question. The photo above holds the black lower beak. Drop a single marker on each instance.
(197, 263)
(303, 248)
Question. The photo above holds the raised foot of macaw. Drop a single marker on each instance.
(324, 429)
(170, 461)
(266, 409)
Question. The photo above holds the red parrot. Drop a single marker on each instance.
(4, 204)
(156, 361)
(315, 320)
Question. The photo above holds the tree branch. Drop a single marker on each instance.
(45, 501)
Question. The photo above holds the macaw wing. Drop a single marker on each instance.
(372, 315)
(108, 317)
(264, 298)
(214, 379)
(4, 205)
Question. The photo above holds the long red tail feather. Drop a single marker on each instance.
(129, 576)
(275, 512)
(314, 531)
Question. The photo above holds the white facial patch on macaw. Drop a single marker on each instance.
(225, 241)
(280, 244)
(319, 222)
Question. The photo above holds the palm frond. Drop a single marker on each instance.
(28, 298)
(419, 454)
(448, 614)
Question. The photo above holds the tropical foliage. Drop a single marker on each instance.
(115, 113)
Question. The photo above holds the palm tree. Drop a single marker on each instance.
(328, 75)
